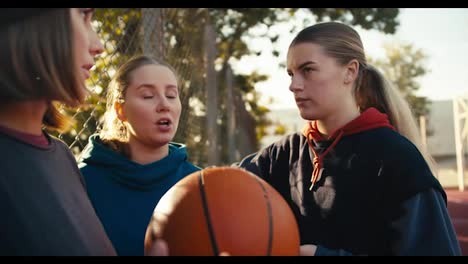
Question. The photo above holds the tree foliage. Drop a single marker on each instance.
(403, 65)
(382, 19)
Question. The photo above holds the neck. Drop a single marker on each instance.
(331, 123)
(24, 116)
(142, 153)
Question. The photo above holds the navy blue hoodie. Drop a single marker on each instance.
(365, 190)
(125, 193)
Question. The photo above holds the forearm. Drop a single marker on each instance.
(425, 229)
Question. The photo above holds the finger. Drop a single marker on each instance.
(159, 248)
(307, 250)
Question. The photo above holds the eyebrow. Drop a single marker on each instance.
(304, 64)
(149, 85)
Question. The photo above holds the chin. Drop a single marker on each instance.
(307, 116)
(163, 141)
(83, 93)
(311, 113)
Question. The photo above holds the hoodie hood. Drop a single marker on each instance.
(128, 172)
(125, 193)
(371, 118)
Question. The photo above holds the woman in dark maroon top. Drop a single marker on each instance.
(45, 57)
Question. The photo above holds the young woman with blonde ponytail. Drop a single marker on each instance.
(357, 177)
(132, 161)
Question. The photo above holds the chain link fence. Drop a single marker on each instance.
(214, 123)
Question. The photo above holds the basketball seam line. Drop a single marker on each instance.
(270, 217)
(207, 214)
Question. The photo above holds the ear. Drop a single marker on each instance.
(118, 107)
(351, 71)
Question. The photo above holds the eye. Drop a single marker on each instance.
(147, 95)
(290, 74)
(171, 96)
(172, 93)
(307, 69)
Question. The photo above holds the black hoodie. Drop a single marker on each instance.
(371, 195)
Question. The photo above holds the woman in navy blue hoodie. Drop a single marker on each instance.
(132, 162)
(357, 177)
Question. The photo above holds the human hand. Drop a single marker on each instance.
(154, 245)
(307, 250)
(157, 247)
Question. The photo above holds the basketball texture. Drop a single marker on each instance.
(224, 209)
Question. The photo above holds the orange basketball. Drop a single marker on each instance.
(225, 209)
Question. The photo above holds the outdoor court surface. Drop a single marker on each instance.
(458, 210)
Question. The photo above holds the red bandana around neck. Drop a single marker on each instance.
(369, 119)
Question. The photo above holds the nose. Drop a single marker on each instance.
(296, 84)
(96, 46)
(163, 105)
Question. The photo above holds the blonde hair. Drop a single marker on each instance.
(113, 132)
(37, 62)
(371, 88)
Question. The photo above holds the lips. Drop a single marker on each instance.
(300, 99)
(164, 122)
(85, 69)
(87, 66)
(86, 74)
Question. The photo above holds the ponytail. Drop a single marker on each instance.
(371, 92)
(375, 91)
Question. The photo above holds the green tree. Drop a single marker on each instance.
(382, 19)
(403, 65)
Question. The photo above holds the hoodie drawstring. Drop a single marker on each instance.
(318, 159)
